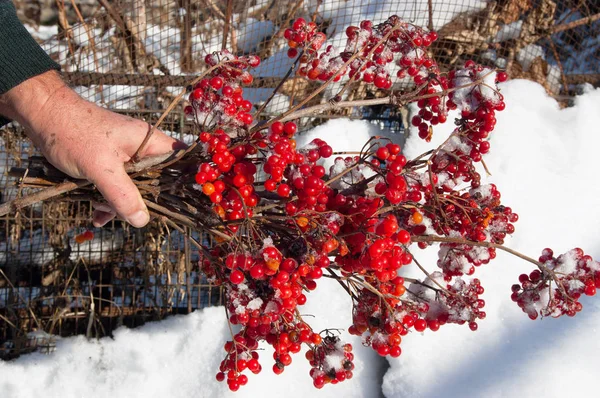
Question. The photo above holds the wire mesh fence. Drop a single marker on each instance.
(136, 56)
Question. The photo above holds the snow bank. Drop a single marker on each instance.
(345, 136)
(179, 357)
(174, 358)
(543, 160)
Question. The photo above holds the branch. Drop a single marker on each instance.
(542, 267)
(68, 186)
(136, 156)
(442, 239)
(574, 24)
(412, 96)
(17, 204)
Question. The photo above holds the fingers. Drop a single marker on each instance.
(159, 143)
(121, 194)
(103, 213)
(101, 218)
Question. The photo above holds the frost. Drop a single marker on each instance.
(334, 361)
(455, 143)
(488, 87)
(254, 304)
(567, 263)
(575, 284)
(267, 242)
(271, 307)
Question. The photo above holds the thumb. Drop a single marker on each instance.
(122, 195)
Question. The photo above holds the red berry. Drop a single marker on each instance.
(299, 24)
(325, 151)
(283, 190)
(277, 128)
(290, 128)
(216, 82)
(420, 325)
(383, 153)
(501, 77)
(236, 277)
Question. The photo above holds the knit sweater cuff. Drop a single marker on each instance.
(21, 57)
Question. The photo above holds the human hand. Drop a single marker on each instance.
(86, 141)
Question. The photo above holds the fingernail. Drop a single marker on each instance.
(99, 224)
(139, 219)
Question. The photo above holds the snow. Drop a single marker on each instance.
(42, 32)
(528, 54)
(179, 357)
(543, 161)
(344, 136)
(509, 31)
(579, 47)
(279, 104)
(252, 32)
(35, 249)
(343, 13)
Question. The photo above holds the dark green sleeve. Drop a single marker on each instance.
(20, 56)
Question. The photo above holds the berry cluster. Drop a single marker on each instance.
(369, 53)
(330, 361)
(218, 100)
(305, 36)
(556, 288)
(456, 302)
(285, 221)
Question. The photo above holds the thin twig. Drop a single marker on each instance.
(574, 24)
(541, 266)
(136, 156)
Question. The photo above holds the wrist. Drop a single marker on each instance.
(31, 102)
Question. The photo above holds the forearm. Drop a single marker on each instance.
(21, 58)
(28, 103)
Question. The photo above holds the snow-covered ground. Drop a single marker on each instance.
(543, 160)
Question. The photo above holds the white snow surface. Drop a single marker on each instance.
(345, 136)
(543, 160)
(252, 32)
(180, 356)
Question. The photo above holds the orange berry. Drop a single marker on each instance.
(317, 339)
(272, 264)
(400, 290)
(208, 188)
(344, 250)
(395, 339)
(220, 211)
(417, 217)
(302, 221)
(330, 245)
